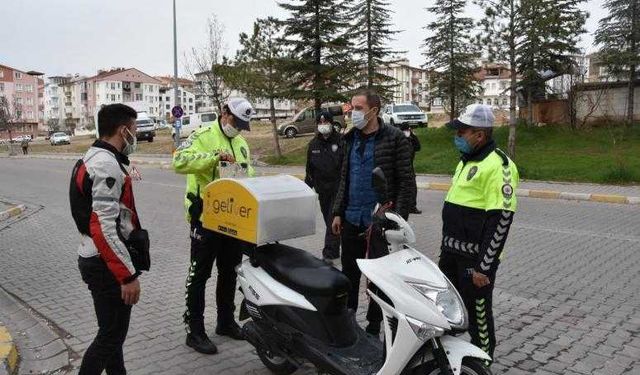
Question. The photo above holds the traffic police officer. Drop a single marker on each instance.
(199, 157)
(477, 214)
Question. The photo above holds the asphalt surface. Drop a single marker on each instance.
(567, 296)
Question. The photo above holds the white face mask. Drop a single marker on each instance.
(359, 119)
(407, 133)
(230, 131)
(324, 129)
(130, 147)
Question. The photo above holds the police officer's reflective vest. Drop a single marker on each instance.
(483, 186)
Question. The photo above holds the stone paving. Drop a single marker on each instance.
(567, 296)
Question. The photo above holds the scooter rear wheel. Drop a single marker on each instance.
(470, 366)
(278, 365)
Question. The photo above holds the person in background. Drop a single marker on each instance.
(415, 145)
(200, 158)
(324, 162)
(25, 145)
(476, 218)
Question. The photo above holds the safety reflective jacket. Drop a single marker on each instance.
(198, 158)
(479, 207)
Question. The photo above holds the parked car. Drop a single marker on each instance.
(145, 129)
(396, 114)
(305, 121)
(60, 138)
(192, 123)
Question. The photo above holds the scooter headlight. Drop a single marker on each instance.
(448, 302)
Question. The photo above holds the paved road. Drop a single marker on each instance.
(567, 294)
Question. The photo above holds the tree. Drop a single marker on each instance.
(531, 36)
(53, 124)
(316, 32)
(10, 115)
(619, 36)
(204, 64)
(452, 54)
(260, 68)
(372, 32)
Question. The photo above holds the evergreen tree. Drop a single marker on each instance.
(619, 36)
(317, 33)
(531, 36)
(260, 68)
(451, 53)
(371, 32)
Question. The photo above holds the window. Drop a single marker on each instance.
(113, 85)
(136, 85)
(160, 98)
(118, 96)
(190, 100)
(29, 101)
(190, 108)
(29, 88)
(113, 97)
(1, 86)
(138, 97)
(167, 106)
(504, 101)
(19, 87)
(17, 75)
(206, 117)
(167, 98)
(18, 100)
(1, 74)
(118, 85)
(480, 101)
(30, 114)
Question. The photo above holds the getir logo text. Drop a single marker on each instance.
(228, 206)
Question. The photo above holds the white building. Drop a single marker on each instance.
(262, 106)
(186, 99)
(412, 83)
(561, 86)
(495, 81)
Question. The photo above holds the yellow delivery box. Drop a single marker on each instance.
(260, 210)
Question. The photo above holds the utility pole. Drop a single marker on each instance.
(175, 73)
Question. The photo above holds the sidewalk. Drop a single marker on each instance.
(531, 189)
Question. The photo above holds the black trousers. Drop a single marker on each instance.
(331, 248)
(478, 301)
(354, 246)
(25, 150)
(206, 247)
(105, 352)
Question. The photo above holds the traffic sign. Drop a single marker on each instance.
(177, 111)
(178, 123)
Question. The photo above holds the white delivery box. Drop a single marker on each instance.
(260, 210)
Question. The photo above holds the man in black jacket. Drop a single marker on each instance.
(369, 145)
(324, 161)
(415, 147)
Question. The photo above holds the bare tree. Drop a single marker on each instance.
(10, 115)
(589, 100)
(203, 64)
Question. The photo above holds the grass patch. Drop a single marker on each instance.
(553, 153)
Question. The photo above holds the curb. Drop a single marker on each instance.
(12, 212)
(439, 186)
(8, 352)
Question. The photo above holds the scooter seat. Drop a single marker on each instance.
(301, 271)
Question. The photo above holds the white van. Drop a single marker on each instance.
(193, 122)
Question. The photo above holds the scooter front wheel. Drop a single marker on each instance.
(470, 366)
(278, 365)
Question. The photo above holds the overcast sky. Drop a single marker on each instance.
(81, 36)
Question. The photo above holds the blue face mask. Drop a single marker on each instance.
(462, 145)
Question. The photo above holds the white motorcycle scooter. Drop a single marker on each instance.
(297, 306)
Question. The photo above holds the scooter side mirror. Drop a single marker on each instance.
(379, 181)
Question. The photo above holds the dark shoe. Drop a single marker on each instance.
(201, 343)
(373, 328)
(232, 330)
(415, 211)
(328, 261)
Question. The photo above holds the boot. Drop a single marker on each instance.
(232, 330)
(200, 343)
